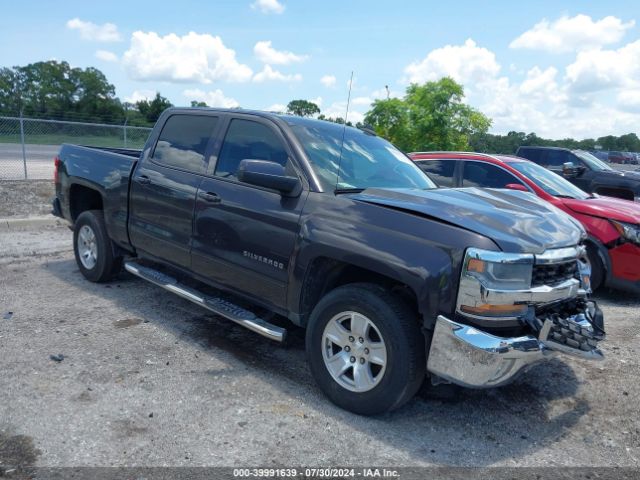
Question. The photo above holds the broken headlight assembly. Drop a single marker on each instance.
(487, 276)
(628, 231)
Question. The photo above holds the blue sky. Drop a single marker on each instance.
(557, 68)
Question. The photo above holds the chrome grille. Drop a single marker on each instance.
(554, 273)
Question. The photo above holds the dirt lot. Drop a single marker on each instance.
(150, 379)
(24, 198)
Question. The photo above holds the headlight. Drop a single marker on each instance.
(500, 276)
(628, 231)
(495, 271)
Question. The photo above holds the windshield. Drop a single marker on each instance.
(550, 182)
(367, 161)
(593, 162)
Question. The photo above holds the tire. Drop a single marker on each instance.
(597, 268)
(93, 249)
(390, 327)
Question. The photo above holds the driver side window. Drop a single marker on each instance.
(246, 139)
(485, 175)
(557, 158)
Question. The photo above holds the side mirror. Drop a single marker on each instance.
(570, 170)
(264, 173)
(516, 186)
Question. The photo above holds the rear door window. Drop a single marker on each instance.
(183, 142)
(532, 154)
(440, 171)
(246, 139)
(556, 158)
(486, 175)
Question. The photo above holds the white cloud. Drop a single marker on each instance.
(213, 98)
(194, 57)
(277, 107)
(269, 74)
(542, 84)
(382, 93)
(106, 56)
(328, 81)
(267, 54)
(107, 32)
(139, 95)
(599, 93)
(466, 63)
(338, 109)
(362, 101)
(317, 101)
(268, 6)
(597, 70)
(629, 100)
(569, 34)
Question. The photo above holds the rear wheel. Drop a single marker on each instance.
(365, 349)
(92, 247)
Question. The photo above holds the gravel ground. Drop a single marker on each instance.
(149, 379)
(24, 198)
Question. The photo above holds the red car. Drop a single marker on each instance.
(613, 224)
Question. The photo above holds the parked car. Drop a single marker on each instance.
(600, 155)
(624, 158)
(255, 216)
(618, 157)
(613, 225)
(585, 171)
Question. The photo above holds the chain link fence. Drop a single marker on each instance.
(28, 145)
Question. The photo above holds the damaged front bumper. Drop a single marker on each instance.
(470, 357)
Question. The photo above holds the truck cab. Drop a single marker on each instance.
(585, 171)
(257, 216)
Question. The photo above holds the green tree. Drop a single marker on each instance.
(196, 103)
(431, 116)
(389, 118)
(151, 110)
(96, 97)
(10, 91)
(629, 143)
(56, 90)
(302, 108)
(608, 142)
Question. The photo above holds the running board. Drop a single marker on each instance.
(217, 305)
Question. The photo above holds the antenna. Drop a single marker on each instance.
(344, 130)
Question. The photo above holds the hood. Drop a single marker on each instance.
(517, 222)
(626, 178)
(606, 207)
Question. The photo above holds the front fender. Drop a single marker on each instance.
(421, 253)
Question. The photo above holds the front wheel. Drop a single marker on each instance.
(92, 247)
(365, 349)
(598, 271)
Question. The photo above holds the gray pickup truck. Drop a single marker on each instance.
(267, 219)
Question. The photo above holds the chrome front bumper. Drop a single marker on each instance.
(466, 356)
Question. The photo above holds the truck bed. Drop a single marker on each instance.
(128, 152)
(102, 169)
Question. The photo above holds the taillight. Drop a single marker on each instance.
(56, 164)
